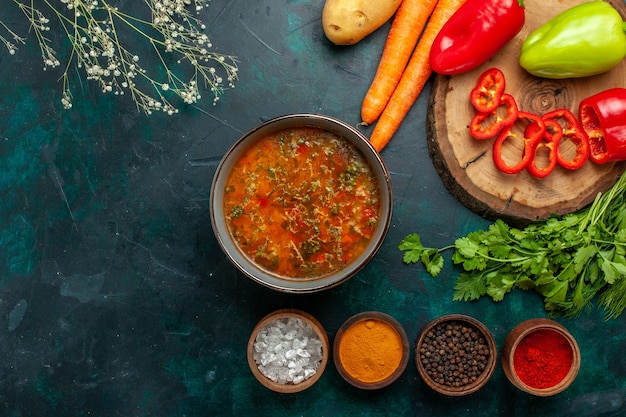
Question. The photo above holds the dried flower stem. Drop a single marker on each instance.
(94, 29)
(11, 47)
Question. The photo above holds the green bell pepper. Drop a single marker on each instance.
(585, 40)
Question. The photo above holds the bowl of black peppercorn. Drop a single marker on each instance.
(455, 354)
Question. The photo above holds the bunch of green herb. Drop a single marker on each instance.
(570, 260)
(100, 36)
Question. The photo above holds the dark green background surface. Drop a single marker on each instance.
(115, 299)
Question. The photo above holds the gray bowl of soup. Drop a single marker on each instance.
(301, 203)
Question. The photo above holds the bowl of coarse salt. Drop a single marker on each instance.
(288, 351)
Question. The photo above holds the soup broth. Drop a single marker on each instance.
(302, 202)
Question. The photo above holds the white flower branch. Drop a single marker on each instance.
(11, 47)
(94, 29)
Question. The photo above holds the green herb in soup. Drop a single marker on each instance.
(302, 202)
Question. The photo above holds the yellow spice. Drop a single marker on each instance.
(370, 350)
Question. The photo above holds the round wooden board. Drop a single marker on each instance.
(465, 164)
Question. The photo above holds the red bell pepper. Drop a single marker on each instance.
(485, 97)
(475, 33)
(573, 132)
(603, 117)
(532, 135)
(550, 142)
(486, 125)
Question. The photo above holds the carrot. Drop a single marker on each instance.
(407, 25)
(414, 77)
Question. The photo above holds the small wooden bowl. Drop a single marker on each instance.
(485, 374)
(370, 319)
(515, 337)
(288, 388)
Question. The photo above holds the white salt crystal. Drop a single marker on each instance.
(303, 353)
(279, 343)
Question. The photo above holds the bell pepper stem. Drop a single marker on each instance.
(521, 3)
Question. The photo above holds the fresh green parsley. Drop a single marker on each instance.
(571, 260)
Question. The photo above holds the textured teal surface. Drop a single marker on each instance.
(115, 299)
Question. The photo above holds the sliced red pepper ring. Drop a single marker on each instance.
(603, 118)
(530, 136)
(486, 96)
(486, 125)
(572, 132)
(538, 167)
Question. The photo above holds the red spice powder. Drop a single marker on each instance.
(543, 358)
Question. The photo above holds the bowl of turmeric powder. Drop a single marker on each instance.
(371, 350)
(301, 203)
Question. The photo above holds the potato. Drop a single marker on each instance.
(346, 22)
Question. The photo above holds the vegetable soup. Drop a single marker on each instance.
(302, 202)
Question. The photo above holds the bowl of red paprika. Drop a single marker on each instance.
(301, 203)
(540, 357)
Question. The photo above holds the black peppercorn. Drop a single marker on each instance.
(457, 354)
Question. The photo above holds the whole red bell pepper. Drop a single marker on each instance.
(603, 117)
(533, 132)
(475, 33)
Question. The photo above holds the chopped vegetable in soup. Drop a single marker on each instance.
(302, 202)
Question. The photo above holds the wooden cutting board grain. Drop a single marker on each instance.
(465, 164)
